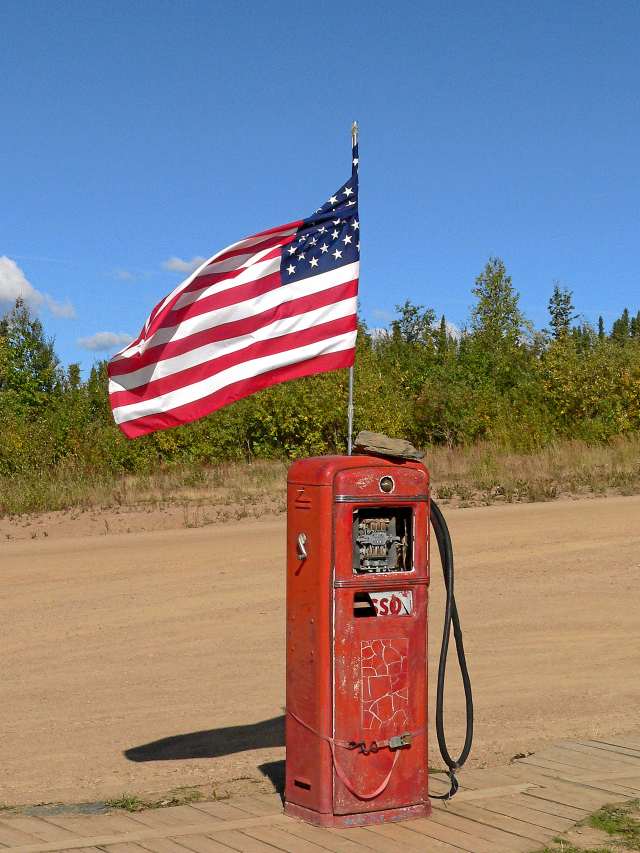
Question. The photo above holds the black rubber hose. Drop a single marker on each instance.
(451, 617)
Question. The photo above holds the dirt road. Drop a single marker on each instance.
(111, 643)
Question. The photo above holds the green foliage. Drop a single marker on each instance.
(561, 311)
(178, 797)
(29, 368)
(498, 381)
(414, 324)
(496, 317)
(620, 821)
(622, 327)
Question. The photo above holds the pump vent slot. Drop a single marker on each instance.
(363, 606)
(382, 540)
(302, 500)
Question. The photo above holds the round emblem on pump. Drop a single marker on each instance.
(387, 485)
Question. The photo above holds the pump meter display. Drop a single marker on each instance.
(382, 540)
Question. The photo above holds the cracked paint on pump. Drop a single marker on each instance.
(385, 682)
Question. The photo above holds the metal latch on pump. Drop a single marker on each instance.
(398, 741)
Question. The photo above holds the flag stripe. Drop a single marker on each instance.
(232, 330)
(245, 370)
(237, 258)
(169, 366)
(223, 299)
(131, 349)
(239, 262)
(234, 392)
(227, 281)
(249, 308)
(212, 366)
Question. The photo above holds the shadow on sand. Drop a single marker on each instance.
(212, 743)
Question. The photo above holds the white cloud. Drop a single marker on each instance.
(60, 309)
(179, 265)
(15, 285)
(102, 341)
(123, 275)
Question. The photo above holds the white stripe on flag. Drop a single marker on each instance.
(127, 351)
(250, 307)
(245, 370)
(169, 366)
(252, 273)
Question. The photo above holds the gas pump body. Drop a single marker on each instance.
(357, 589)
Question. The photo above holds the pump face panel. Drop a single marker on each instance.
(382, 540)
(356, 640)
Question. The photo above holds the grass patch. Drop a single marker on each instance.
(564, 847)
(178, 797)
(486, 473)
(620, 821)
(483, 474)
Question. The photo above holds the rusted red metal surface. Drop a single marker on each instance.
(357, 591)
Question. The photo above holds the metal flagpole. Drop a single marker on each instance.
(354, 142)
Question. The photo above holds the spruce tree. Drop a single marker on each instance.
(621, 327)
(561, 311)
(496, 317)
(30, 367)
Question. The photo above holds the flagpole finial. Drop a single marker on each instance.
(354, 134)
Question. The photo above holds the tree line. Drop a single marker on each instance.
(498, 380)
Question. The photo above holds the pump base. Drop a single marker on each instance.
(360, 819)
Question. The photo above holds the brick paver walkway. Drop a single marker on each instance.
(512, 810)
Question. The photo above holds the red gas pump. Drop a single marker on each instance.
(357, 592)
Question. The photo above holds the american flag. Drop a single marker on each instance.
(275, 306)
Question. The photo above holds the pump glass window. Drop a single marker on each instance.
(382, 540)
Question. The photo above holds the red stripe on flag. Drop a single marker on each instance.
(286, 227)
(270, 242)
(222, 299)
(244, 388)
(234, 329)
(209, 368)
(208, 279)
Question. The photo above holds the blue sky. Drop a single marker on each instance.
(137, 132)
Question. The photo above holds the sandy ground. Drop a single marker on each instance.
(146, 661)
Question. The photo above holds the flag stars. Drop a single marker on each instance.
(324, 244)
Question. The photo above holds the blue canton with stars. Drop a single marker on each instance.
(328, 239)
